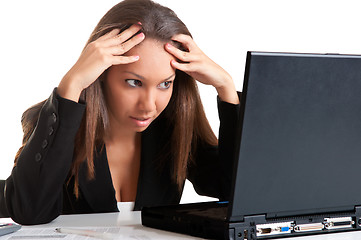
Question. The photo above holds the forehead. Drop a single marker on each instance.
(154, 61)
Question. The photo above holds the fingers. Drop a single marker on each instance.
(186, 40)
(179, 54)
(109, 35)
(185, 57)
(124, 60)
(125, 47)
(181, 66)
(116, 39)
(128, 33)
(114, 44)
(192, 52)
(190, 59)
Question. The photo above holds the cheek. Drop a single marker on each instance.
(163, 100)
(119, 100)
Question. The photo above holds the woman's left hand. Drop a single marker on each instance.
(198, 65)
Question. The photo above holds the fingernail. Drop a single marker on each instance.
(168, 45)
(139, 23)
(136, 57)
(141, 35)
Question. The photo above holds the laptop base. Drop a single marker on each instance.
(208, 220)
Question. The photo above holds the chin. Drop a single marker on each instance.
(142, 129)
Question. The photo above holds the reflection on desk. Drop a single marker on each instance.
(125, 224)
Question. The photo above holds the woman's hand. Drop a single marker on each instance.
(98, 56)
(202, 68)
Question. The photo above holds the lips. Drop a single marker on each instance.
(141, 121)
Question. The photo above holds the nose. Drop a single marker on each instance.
(147, 101)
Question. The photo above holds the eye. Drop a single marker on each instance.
(165, 85)
(134, 83)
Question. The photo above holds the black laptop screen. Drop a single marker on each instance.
(300, 150)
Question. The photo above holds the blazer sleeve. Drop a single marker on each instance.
(212, 169)
(33, 191)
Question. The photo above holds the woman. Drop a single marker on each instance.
(125, 123)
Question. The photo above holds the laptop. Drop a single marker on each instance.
(298, 165)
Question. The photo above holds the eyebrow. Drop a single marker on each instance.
(142, 78)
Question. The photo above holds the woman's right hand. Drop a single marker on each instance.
(98, 56)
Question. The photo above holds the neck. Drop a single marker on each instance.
(119, 135)
(116, 133)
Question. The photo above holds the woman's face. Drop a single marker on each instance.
(137, 93)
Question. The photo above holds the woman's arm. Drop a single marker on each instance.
(33, 192)
(211, 172)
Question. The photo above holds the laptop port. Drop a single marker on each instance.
(273, 228)
(341, 222)
(308, 227)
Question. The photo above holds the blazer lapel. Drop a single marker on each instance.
(155, 185)
(98, 192)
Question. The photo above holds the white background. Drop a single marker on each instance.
(40, 40)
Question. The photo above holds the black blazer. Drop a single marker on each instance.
(39, 189)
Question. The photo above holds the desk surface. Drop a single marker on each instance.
(128, 225)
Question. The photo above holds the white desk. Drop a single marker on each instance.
(128, 224)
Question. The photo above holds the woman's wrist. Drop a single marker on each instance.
(67, 89)
(227, 91)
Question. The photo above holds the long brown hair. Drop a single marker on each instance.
(185, 107)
